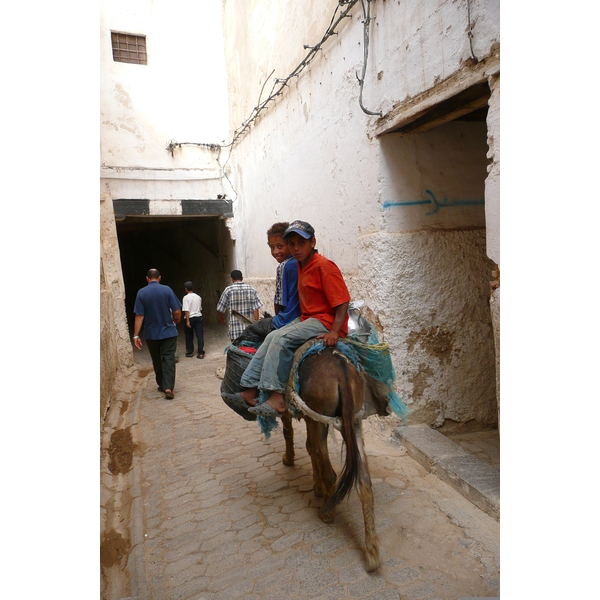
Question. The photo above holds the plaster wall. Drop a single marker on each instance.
(492, 183)
(179, 95)
(492, 214)
(434, 179)
(115, 348)
(311, 164)
(416, 45)
(109, 364)
(312, 156)
(425, 274)
(113, 276)
(428, 295)
(413, 45)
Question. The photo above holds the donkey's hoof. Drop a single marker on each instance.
(326, 517)
(318, 491)
(373, 560)
(288, 462)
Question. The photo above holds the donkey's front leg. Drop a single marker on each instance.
(288, 435)
(324, 476)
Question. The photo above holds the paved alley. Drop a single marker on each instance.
(213, 512)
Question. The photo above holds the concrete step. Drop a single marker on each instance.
(468, 475)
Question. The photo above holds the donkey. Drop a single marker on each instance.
(332, 391)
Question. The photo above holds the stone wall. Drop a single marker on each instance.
(115, 347)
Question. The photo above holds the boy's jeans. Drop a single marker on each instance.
(197, 325)
(270, 367)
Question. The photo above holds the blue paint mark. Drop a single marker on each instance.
(409, 203)
(444, 203)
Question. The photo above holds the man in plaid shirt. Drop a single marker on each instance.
(241, 297)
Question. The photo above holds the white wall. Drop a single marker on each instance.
(416, 45)
(434, 179)
(180, 94)
(312, 156)
(492, 183)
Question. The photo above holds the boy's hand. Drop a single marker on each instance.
(330, 338)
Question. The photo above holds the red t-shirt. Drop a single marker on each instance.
(321, 289)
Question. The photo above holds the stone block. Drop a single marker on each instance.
(475, 480)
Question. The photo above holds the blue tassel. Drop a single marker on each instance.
(398, 406)
(266, 424)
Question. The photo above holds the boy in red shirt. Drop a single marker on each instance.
(324, 300)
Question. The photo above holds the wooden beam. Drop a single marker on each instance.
(408, 110)
(423, 123)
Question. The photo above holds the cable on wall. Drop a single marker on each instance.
(361, 79)
(470, 32)
(174, 144)
(280, 83)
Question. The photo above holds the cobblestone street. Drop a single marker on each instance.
(215, 514)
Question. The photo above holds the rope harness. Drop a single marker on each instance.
(298, 404)
(295, 401)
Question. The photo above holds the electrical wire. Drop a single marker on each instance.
(361, 79)
(470, 32)
(174, 144)
(279, 84)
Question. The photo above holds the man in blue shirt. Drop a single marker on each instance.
(159, 307)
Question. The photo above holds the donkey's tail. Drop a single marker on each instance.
(349, 474)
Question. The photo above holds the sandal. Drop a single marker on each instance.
(264, 410)
(236, 399)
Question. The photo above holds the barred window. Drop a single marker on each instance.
(129, 48)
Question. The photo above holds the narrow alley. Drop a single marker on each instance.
(197, 505)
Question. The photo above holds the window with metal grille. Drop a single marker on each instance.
(129, 48)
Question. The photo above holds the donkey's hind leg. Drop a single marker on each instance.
(288, 435)
(324, 476)
(365, 491)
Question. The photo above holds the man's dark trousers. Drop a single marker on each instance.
(197, 325)
(163, 360)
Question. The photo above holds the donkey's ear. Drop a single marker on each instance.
(376, 396)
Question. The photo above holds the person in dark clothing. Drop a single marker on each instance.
(159, 309)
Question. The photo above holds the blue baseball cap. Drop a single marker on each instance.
(302, 228)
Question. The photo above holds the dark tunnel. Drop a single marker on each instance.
(198, 249)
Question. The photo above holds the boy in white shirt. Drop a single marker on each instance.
(192, 310)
